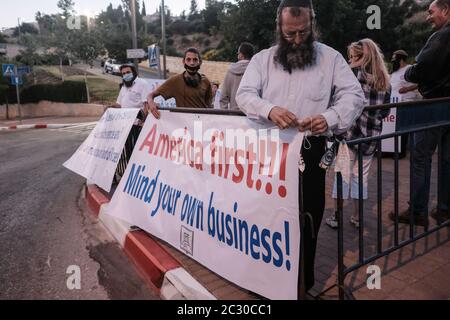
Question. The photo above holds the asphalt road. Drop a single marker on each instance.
(45, 227)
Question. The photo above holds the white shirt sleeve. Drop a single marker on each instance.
(248, 96)
(120, 96)
(347, 102)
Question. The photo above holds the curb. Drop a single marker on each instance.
(161, 271)
(42, 126)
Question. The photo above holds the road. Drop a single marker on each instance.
(97, 70)
(45, 227)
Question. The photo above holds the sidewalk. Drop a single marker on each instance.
(418, 271)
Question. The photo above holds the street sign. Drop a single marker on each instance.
(16, 81)
(153, 56)
(23, 70)
(135, 53)
(7, 70)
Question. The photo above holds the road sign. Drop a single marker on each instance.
(135, 53)
(7, 70)
(16, 81)
(23, 70)
(153, 56)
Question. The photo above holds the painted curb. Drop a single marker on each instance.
(161, 271)
(43, 126)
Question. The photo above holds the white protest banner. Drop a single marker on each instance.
(227, 198)
(389, 124)
(97, 157)
(154, 84)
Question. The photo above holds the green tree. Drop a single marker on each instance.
(67, 7)
(25, 28)
(247, 20)
(210, 14)
(144, 11)
(193, 11)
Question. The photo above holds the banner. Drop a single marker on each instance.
(389, 125)
(154, 84)
(97, 158)
(227, 198)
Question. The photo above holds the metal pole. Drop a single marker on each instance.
(16, 78)
(133, 30)
(163, 30)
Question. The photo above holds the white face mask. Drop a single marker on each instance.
(128, 77)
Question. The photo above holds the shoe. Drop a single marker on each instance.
(440, 215)
(331, 221)
(354, 222)
(403, 217)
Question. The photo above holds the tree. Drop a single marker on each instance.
(67, 7)
(211, 13)
(144, 11)
(193, 11)
(248, 20)
(25, 28)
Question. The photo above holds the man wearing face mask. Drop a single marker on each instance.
(404, 90)
(133, 91)
(190, 88)
(133, 94)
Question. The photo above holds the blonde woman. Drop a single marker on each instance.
(366, 59)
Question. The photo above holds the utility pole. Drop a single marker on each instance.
(133, 30)
(163, 30)
(16, 78)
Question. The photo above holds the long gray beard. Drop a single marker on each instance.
(293, 57)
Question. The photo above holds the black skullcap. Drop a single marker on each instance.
(295, 3)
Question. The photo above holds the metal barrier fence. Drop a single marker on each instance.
(412, 117)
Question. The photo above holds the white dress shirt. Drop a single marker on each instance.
(328, 88)
(134, 96)
(398, 81)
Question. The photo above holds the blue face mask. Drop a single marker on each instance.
(128, 77)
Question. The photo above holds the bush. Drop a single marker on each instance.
(68, 92)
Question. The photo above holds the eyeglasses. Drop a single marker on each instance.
(293, 34)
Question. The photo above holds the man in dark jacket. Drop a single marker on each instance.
(432, 74)
(234, 76)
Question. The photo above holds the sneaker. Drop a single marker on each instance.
(440, 215)
(354, 222)
(331, 222)
(403, 217)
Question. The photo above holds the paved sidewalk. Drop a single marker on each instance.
(418, 271)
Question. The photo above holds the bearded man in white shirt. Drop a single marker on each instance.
(305, 84)
(133, 94)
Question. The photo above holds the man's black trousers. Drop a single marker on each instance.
(312, 197)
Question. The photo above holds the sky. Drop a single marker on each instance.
(10, 11)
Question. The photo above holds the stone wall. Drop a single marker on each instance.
(48, 109)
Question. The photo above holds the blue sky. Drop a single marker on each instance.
(10, 10)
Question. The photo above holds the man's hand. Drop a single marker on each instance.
(283, 118)
(403, 90)
(152, 107)
(317, 124)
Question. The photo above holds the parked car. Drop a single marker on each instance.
(112, 66)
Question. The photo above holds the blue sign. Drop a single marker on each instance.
(23, 70)
(16, 81)
(153, 56)
(7, 70)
